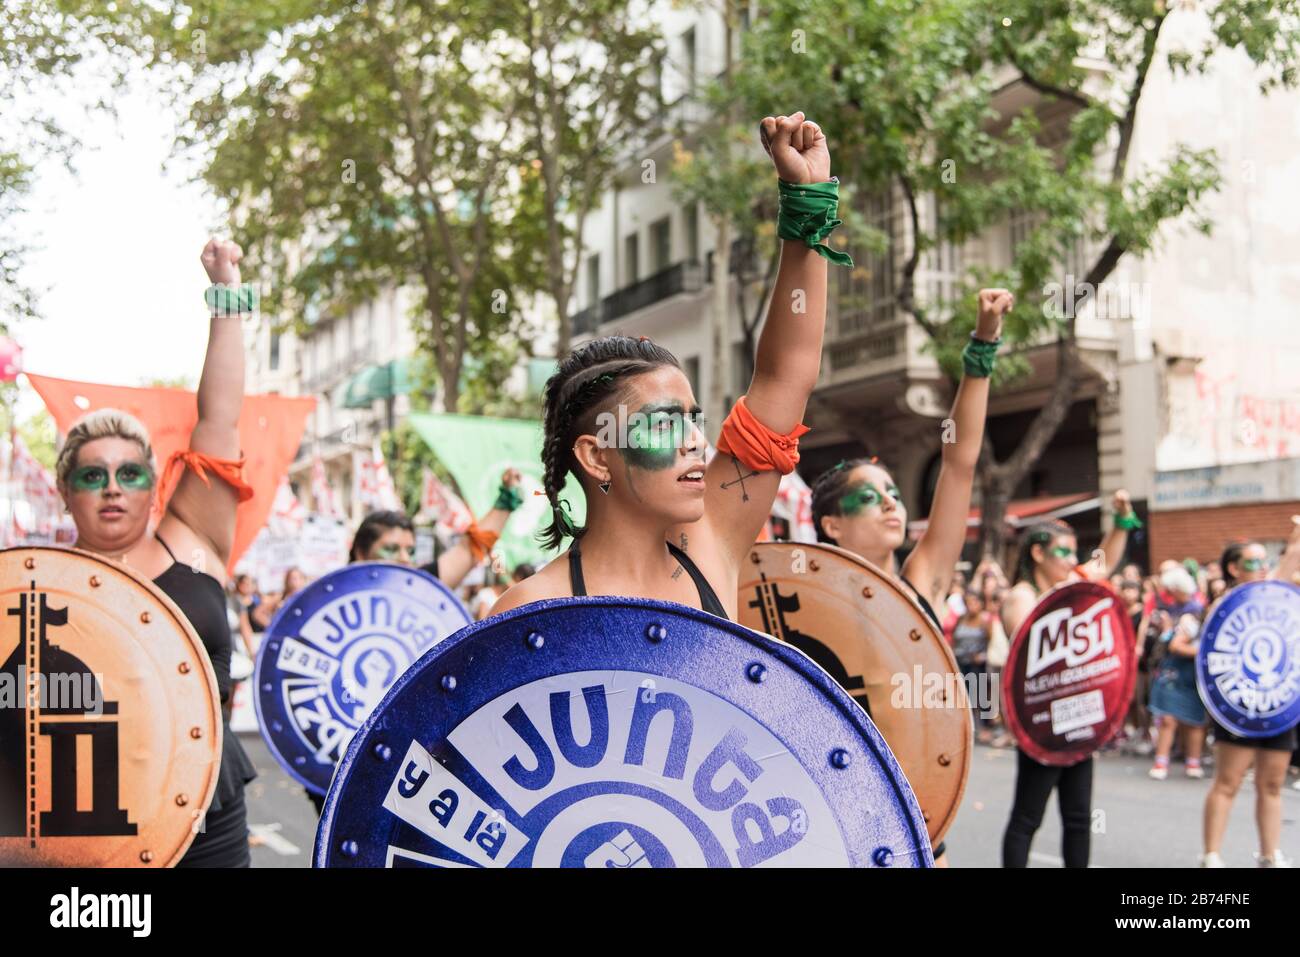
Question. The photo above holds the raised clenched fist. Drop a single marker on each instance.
(1122, 504)
(511, 477)
(221, 261)
(797, 147)
(994, 304)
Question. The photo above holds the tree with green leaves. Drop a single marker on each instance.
(365, 146)
(584, 74)
(910, 87)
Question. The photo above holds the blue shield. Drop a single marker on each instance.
(1248, 663)
(618, 732)
(333, 650)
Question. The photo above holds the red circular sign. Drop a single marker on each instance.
(1069, 675)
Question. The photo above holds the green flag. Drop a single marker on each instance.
(476, 449)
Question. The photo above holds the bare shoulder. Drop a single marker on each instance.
(189, 547)
(551, 582)
(1019, 601)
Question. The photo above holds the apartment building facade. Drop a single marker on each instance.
(1198, 310)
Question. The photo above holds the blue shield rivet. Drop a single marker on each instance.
(448, 683)
(535, 640)
(656, 632)
(882, 857)
(382, 751)
(277, 726)
(757, 673)
(266, 686)
(349, 848)
(841, 759)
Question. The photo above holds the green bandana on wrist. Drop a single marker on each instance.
(226, 300)
(979, 357)
(807, 215)
(1128, 522)
(509, 498)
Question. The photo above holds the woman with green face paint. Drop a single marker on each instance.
(857, 505)
(1049, 557)
(388, 536)
(622, 418)
(1234, 756)
(109, 481)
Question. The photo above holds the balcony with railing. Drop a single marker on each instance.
(680, 278)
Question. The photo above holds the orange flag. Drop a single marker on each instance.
(270, 430)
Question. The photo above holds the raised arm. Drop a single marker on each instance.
(1289, 564)
(931, 564)
(459, 560)
(739, 498)
(1116, 540)
(206, 509)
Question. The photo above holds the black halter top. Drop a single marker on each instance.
(708, 598)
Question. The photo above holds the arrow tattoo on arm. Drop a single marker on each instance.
(739, 480)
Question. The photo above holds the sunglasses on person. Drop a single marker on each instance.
(131, 477)
(1061, 551)
(390, 552)
(1253, 564)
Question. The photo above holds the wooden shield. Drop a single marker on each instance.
(873, 638)
(110, 721)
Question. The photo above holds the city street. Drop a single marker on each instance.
(1137, 822)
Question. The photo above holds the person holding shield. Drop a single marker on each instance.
(109, 481)
(1049, 557)
(857, 505)
(620, 415)
(1235, 755)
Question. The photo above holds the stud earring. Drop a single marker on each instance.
(604, 486)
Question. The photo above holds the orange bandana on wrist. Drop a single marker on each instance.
(481, 541)
(754, 444)
(228, 470)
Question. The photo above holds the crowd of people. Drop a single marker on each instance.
(663, 522)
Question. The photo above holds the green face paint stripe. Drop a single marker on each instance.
(93, 478)
(858, 498)
(134, 477)
(650, 446)
(89, 478)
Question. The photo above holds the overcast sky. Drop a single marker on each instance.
(117, 253)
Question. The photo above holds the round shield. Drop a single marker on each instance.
(332, 651)
(110, 721)
(874, 639)
(1248, 662)
(618, 732)
(1069, 675)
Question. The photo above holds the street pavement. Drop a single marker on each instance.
(1137, 822)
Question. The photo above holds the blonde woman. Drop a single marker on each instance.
(109, 480)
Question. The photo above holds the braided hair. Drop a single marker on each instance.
(585, 384)
(830, 487)
(1042, 533)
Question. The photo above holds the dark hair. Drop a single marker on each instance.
(1230, 555)
(829, 488)
(524, 570)
(587, 379)
(372, 528)
(1043, 533)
